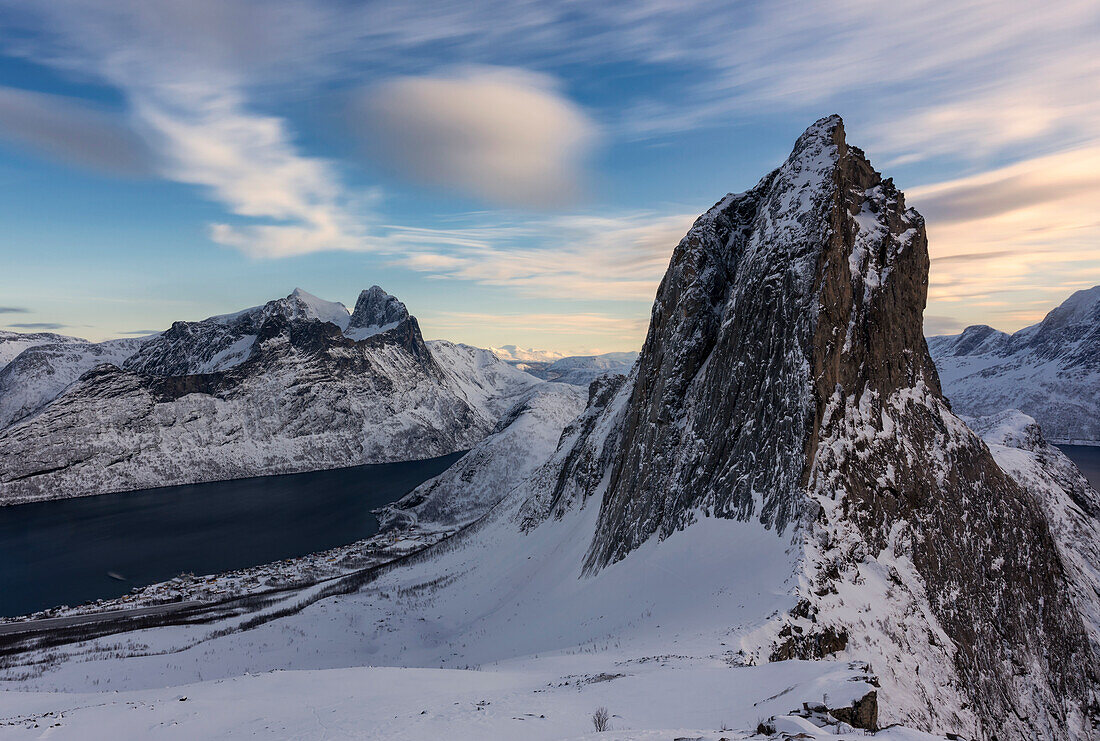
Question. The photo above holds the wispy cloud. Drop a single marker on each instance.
(934, 324)
(13, 310)
(186, 70)
(574, 333)
(564, 324)
(973, 84)
(968, 80)
(582, 257)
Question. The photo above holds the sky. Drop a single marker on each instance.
(517, 172)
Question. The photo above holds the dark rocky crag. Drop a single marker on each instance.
(376, 308)
(785, 379)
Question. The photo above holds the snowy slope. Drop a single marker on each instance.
(522, 439)
(40, 373)
(397, 704)
(579, 370)
(480, 378)
(271, 389)
(1050, 370)
(1018, 445)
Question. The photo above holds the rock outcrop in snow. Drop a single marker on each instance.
(296, 384)
(1050, 370)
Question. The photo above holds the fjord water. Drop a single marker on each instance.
(66, 551)
(1087, 458)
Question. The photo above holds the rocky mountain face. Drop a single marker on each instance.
(785, 381)
(297, 384)
(1050, 370)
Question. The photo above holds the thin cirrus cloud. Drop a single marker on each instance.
(578, 333)
(14, 310)
(588, 257)
(506, 136)
(38, 325)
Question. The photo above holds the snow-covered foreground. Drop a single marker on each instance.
(535, 699)
(496, 637)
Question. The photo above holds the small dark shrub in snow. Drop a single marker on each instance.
(600, 719)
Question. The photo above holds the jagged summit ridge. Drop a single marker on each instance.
(221, 342)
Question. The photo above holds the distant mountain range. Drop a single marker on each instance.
(579, 370)
(296, 384)
(514, 355)
(1050, 370)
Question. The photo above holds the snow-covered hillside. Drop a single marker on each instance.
(13, 343)
(297, 384)
(1019, 448)
(41, 372)
(582, 370)
(524, 438)
(1050, 370)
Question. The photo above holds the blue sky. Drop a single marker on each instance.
(517, 172)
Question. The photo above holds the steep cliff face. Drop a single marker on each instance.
(785, 380)
(1050, 370)
(272, 389)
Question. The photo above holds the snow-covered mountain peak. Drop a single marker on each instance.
(303, 305)
(516, 355)
(1083, 305)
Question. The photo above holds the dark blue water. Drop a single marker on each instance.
(60, 552)
(1087, 458)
